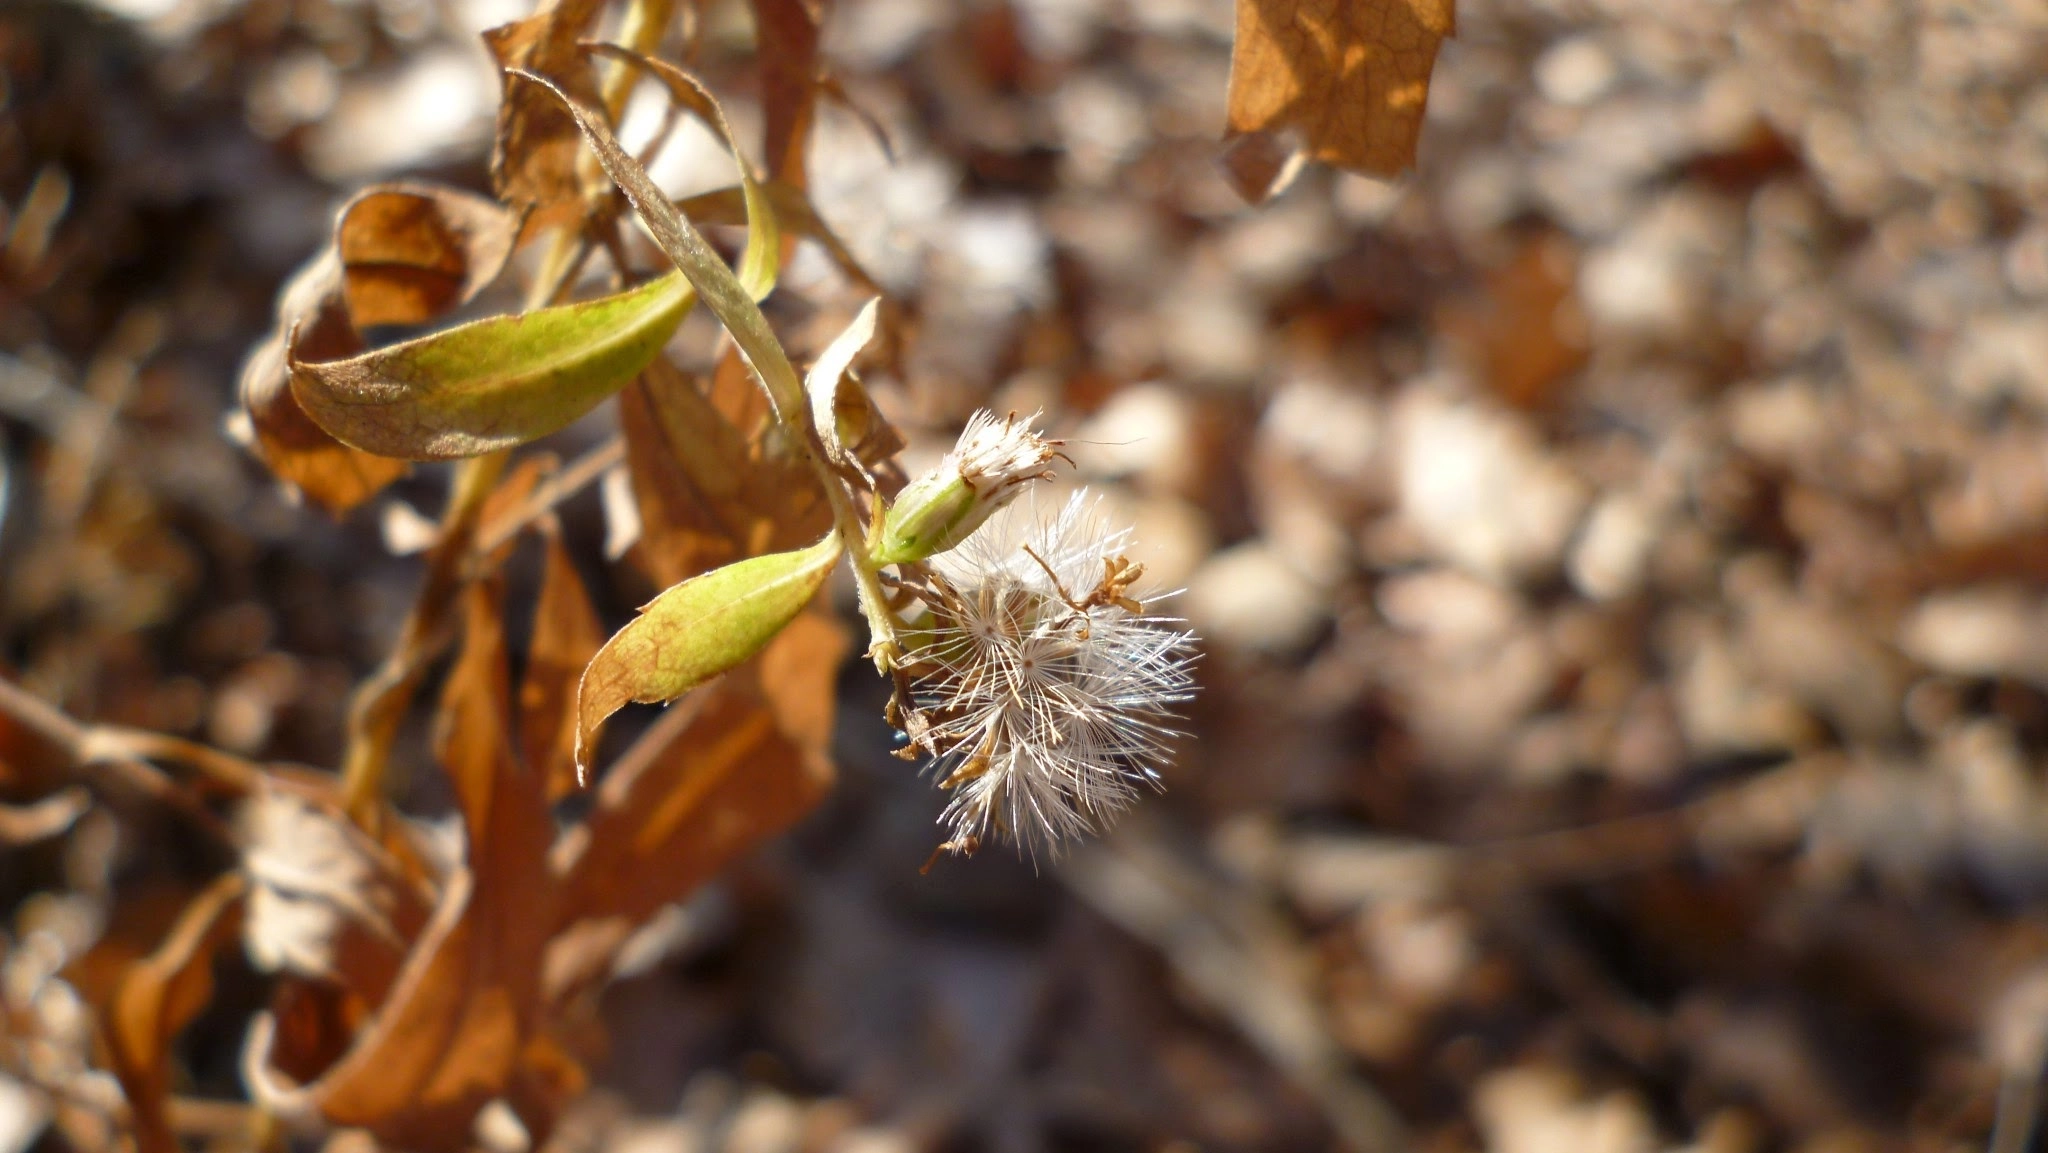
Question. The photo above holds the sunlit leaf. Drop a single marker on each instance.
(1351, 76)
(762, 257)
(822, 382)
(697, 630)
(493, 383)
(727, 296)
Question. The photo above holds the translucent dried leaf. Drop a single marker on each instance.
(697, 630)
(1350, 75)
(533, 157)
(298, 451)
(712, 480)
(494, 383)
(410, 253)
(160, 995)
(822, 382)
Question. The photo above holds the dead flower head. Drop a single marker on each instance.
(1048, 684)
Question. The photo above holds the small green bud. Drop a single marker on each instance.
(985, 471)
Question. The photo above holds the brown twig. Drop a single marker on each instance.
(571, 479)
(103, 765)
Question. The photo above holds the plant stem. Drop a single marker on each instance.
(86, 749)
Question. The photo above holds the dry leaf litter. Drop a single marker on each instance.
(1617, 548)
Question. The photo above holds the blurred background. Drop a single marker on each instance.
(1620, 549)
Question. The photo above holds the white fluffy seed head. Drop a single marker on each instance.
(1049, 685)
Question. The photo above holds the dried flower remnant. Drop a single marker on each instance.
(1047, 685)
(990, 464)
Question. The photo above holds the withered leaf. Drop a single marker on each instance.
(697, 630)
(822, 381)
(566, 634)
(492, 383)
(786, 32)
(1350, 75)
(326, 900)
(449, 1037)
(533, 156)
(161, 994)
(713, 777)
(298, 451)
(410, 253)
(400, 254)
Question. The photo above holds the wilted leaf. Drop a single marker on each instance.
(326, 900)
(698, 629)
(566, 634)
(450, 1035)
(711, 477)
(787, 53)
(822, 382)
(533, 157)
(729, 297)
(410, 253)
(493, 383)
(160, 995)
(1350, 75)
(401, 255)
(299, 452)
(714, 776)
(762, 258)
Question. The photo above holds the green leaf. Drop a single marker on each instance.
(726, 295)
(762, 259)
(697, 630)
(493, 383)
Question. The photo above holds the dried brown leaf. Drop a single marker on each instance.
(410, 253)
(299, 452)
(1350, 75)
(533, 162)
(566, 634)
(711, 476)
(787, 51)
(450, 1036)
(327, 901)
(161, 994)
(719, 773)
(401, 254)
